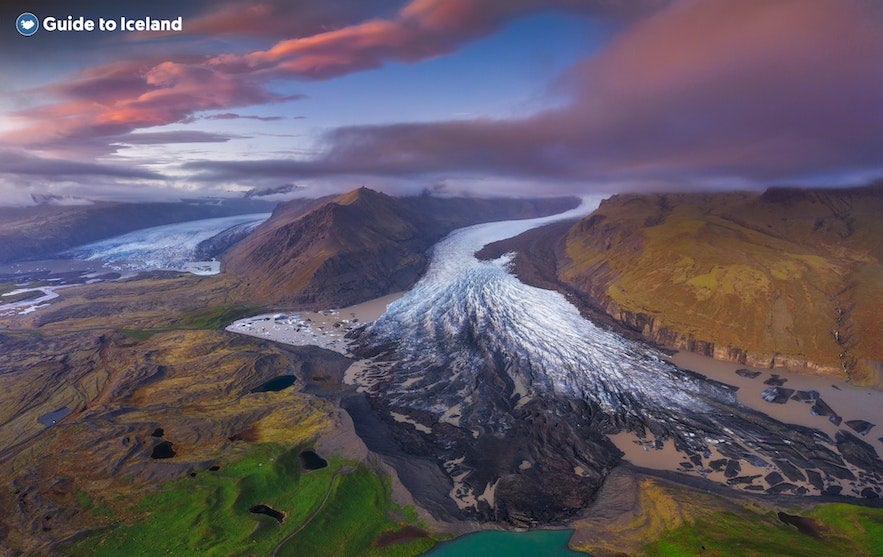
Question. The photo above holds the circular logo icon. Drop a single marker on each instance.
(27, 24)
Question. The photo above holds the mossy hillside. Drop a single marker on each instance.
(670, 519)
(346, 505)
(194, 384)
(848, 530)
(771, 277)
(206, 318)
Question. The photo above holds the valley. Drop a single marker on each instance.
(394, 278)
(470, 400)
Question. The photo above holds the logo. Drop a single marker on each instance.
(27, 24)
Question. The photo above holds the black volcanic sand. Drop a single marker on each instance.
(312, 461)
(775, 380)
(267, 510)
(402, 535)
(275, 384)
(806, 396)
(421, 475)
(163, 449)
(777, 395)
(860, 426)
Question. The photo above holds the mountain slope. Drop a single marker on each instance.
(337, 251)
(785, 278)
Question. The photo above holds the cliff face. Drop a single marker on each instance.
(788, 278)
(337, 251)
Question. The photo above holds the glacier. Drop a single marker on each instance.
(481, 360)
(166, 247)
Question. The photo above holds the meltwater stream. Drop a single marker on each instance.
(472, 349)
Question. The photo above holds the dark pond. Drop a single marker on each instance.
(52, 417)
(158, 432)
(163, 450)
(276, 384)
(267, 510)
(311, 461)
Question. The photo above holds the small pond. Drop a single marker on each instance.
(312, 461)
(275, 384)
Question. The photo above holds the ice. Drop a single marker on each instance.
(168, 247)
(463, 302)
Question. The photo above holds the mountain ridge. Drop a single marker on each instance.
(341, 250)
(785, 278)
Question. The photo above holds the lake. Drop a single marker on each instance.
(493, 543)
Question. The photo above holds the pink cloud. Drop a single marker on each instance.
(745, 89)
(283, 18)
(122, 97)
(690, 90)
(421, 30)
(119, 98)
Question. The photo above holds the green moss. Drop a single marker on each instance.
(139, 334)
(208, 514)
(209, 318)
(852, 530)
(352, 518)
(213, 317)
(83, 500)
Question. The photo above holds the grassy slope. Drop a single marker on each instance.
(763, 274)
(173, 368)
(668, 519)
(851, 530)
(177, 371)
(209, 514)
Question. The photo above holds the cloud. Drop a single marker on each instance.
(702, 92)
(234, 116)
(421, 30)
(22, 164)
(179, 136)
(283, 18)
(121, 97)
(691, 91)
(101, 104)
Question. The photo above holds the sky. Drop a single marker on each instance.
(477, 97)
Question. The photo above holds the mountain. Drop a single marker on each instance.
(336, 251)
(41, 231)
(788, 277)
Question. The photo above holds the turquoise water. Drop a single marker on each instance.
(491, 543)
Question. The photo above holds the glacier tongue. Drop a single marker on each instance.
(464, 308)
(167, 247)
(475, 356)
